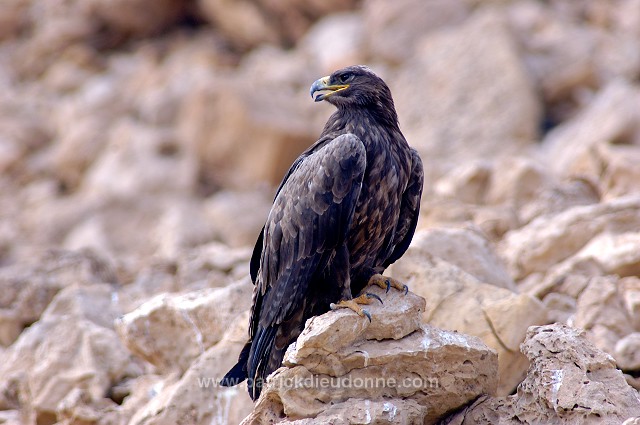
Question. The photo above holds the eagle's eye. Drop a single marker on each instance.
(345, 77)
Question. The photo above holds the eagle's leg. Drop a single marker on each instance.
(354, 304)
(387, 283)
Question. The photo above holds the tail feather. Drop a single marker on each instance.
(259, 359)
(238, 373)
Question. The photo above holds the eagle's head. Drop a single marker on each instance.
(353, 86)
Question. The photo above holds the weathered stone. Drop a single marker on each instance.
(457, 301)
(170, 331)
(627, 352)
(569, 381)
(468, 250)
(91, 356)
(609, 118)
(393, 30)
(452, 124)
(196, 398)
(341, 358)
(548, 240)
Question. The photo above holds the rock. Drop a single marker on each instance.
(247, 24)
(335, 42)
(468, 182)
(459, 302)
(145, 161)
(571, 50)
(600, 311)
(243, 132)
(393, 30)
(238, 216)
(91, 356)
(610, 118)
(170, 331)
(548, 240)
(629, 288)
(78, 28)
(627, 352)
(341, 359)
(196, 398)
(569, 381)
(468, 250)
(29, 288)
(452, 124)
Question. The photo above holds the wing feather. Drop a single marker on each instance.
(409, 210)
(308, 221)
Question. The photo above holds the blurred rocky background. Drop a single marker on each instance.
(140, 143)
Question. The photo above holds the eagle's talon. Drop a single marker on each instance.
(406, 289)
(370, 295)
(366, 313)
(388, 282)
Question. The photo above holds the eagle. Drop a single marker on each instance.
(346, 209)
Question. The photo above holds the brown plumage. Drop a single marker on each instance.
(346, 209)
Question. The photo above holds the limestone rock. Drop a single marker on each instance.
(627, 352)
(569, 381)
(393, 30)
(548, 240)
(610, 118)
(452, 123)
(468, 250)
(29, 288)
(600, 311)
(170, 331)
(196, 398)
(457, 301)
(72, 341)
(341, 359)
(247, 24)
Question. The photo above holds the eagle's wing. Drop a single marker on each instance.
(308, 222)
(409, 210)
(257, 249)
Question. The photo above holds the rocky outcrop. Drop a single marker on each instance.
(498, 316)
(569, 381)
(390, 370)
(141, 143)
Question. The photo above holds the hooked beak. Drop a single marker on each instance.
(323, 85)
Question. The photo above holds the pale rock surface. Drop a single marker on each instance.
(70, 337)
(247, 24)
(393, 29)
(610, 118)
(467, 249)
(243, 131)
(548, 240)
(196, 398)
(395, 348)
(569, 381)
(171, 330)
(600, 311)
(627, 352)
(27, 289)
(451, 123)
(458, 301)
(247, 210)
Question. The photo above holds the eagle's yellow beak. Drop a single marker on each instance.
(323, 84)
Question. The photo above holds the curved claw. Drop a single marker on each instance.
(405, 288)
(388, 282)
(370, 295)
(366, 313)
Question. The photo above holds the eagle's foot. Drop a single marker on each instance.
(387, 283)
(354, 304)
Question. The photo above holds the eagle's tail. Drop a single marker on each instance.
(238, 373)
